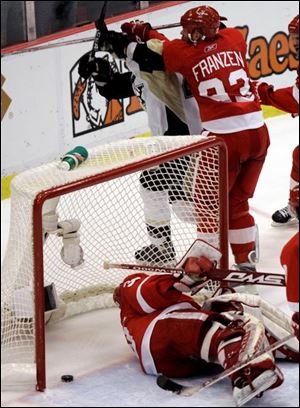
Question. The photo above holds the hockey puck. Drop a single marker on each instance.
(67, 378)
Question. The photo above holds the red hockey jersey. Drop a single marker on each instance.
(162, 326)
(290, 261)
(218, 75)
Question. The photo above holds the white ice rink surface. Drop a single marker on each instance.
(92, 347)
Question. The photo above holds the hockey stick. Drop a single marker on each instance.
(100, 29)
(223, 275)
(163, 26)
(71, 42)
(188, 390)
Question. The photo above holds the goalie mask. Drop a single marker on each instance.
(205, 19)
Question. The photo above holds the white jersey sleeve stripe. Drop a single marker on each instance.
(141, 301)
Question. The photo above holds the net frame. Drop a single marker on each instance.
(107, 175)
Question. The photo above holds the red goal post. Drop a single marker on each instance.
(103, 193)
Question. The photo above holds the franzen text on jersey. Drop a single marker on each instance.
(217, 61)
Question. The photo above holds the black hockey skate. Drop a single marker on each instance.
(162, 255)
(283, 217)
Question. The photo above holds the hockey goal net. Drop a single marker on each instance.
(104, 195)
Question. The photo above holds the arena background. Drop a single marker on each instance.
(40, 91)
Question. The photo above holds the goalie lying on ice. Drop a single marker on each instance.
(173, 335)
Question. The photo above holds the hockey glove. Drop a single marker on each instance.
(195, 274)
(99, 69)
(136, 30)
(261, 91)
(115, 43)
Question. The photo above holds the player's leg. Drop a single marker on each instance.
(284, 216)
(245, 165)
(159, 188)
(235, 343)
(157, 218)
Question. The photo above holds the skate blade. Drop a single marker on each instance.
(289, 223)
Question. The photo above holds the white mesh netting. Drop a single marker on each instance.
(113, 228)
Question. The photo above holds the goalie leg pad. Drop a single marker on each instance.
(277, 324)
(290, 350)
(253, 336)
(256, 377)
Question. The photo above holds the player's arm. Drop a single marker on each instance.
(156, 43)
(119, 87)
(286, 99)
(148, 56)
(139, 31)
(155, 55)
(111, 85)
(147, 294)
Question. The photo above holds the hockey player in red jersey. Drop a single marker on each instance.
(286, 99)
(290, 261)
(172, 334)
(214, 63)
